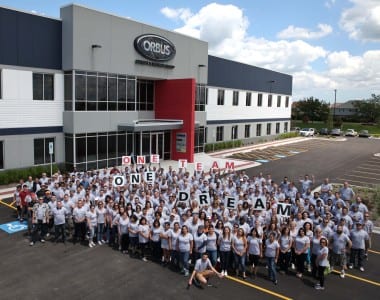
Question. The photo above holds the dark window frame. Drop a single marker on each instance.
(45, 158)
(270, 100)
(220, 98)
(258, 129)
(259, 100)
(248, 99)
(235, 98)
(44, 92)
(279, 101)
(2, 145)
(219, 133)
(269, 128)
(247, 130)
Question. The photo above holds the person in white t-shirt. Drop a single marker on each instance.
(322, 262)
(203, 271)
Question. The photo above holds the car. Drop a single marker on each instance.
(296, 129)
(364, 133)
(351, 132)
(324, 131)
(307, 132)
(336, 132)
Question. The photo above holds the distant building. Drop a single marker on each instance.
(345, 110)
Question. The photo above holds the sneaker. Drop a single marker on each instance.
(299, 275)
(144, 259)
(350, 266)
(275, 282)
(42, 241)
(293, 267)
(103, 241)
(309, 268)
(48, 234)
(361, 269)
(253, 266)
(317, 284)
(318, 287)
(90, 245)
(99, 242)
(186, 273)
(31, 243)
(342, 274)
(225, 273)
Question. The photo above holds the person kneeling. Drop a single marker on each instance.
(203, 271)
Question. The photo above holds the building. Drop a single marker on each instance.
(346, 110)
(96, 87)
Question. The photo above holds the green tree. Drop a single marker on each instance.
(312, 109)
(369, 110)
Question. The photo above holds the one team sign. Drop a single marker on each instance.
(134, 178)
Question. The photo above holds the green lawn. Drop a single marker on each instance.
(375, 130)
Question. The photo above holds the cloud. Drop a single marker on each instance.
(362, 20)
(304, 33)
(225, 28)
(176, 14)
(330, 3)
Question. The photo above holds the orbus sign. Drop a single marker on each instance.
(154, 47)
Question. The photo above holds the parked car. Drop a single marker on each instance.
(307, 132)
(336, 132)
(364, 133)
(324, 131)
(351, 132)
(296, 129)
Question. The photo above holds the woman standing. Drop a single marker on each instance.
(91, 224)
(123, 230)
(322, 263)
(272, 249)
(166, 243)
(144, 233)
(239, 248)
(101, 213)
(156, 242)
(173, 242)
(225, 241)
(133, 230)
(255, 250)
(315, 247)
(211, 245)
(200, 240)
(302, 245)
(286, 243)
(185, 248)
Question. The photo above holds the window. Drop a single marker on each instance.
(43, 86)
(269, 100)
(1, 155)
(219, 133)
(200, 97)
(258, 129)
(235, 98)
(287, 101)
(1, 85)
(248, 99)
(269, 128)
(277, 128)
(260, 100)
(68, 90)
(286, 127)
(234, 132)
(247, 131)
(278, 101)
(220, 97)
(200, 139)
(41, 151)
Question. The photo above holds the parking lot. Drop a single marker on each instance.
(70, 271)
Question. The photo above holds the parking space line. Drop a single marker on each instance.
(359, 278)
(376, 179)
(361, 182)
(373, 251)
(365, 168)
(259, 288)
(366, 172)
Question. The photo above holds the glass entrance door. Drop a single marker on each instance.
(157, 144)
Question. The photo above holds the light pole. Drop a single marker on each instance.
(334, 107)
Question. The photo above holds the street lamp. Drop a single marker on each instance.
(334, 107)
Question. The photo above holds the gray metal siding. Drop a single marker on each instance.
(29, 40)
(234, 75)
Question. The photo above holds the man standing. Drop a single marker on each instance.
(203, 271)
(79, 216)
(40, 219)
(360, 241)
(59, 215)
(339, 242)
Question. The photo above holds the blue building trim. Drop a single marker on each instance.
(225, 73)
(30, 130)
(214, 122)
(29, 40)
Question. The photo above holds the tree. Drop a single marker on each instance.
(369, 110)
(312, 109)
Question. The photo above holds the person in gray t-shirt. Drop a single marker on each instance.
(360, 239)
(339, 243)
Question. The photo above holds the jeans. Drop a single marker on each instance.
(225, 260)
(91, 235)
(184, 260)
(284, 260)
(357, 253)
(100, 231)
(314, 267)
(39, 229)
(271, 269)
(240, 262)
(124, 241)
(321, 275)
(213, 256)
(60, 230)
(300, 261)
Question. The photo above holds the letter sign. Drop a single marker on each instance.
(183, 196)
(259, 204)
(155, 159)
(126, 160)
(199, 167)
(149, 177)
(182, 163)
(118, 181)
(155, 47)
(230, 202)
(283, 209)
(135, 178)
(140, 159)
(203, 199)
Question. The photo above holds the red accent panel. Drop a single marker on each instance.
(175, 99)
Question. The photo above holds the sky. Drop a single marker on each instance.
(325, 45)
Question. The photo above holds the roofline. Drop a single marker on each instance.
(29, 13)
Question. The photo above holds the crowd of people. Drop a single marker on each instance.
(146, 221)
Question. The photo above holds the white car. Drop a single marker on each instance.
(307, 132)
(351, 132)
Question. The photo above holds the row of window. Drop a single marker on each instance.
(1, 155)
(247, 131)
(248, 99)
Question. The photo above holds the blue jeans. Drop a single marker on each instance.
(213, 256)
(100, 231)
(184, 259)
(225, 260)
(271, 268)
(240, 262)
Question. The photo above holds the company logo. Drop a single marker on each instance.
(154, 47)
